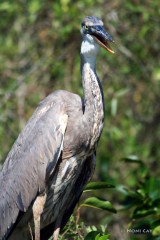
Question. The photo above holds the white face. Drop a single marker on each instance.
(89, 45)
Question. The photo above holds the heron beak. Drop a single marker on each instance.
(102, 37)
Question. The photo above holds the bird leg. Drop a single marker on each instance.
(30, 230)
(38, 207)
(56, 233)
(57, 228)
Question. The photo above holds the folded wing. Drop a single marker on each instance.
(31, 161)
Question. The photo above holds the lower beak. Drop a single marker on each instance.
(105, 45)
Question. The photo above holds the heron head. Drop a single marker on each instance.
(94, 33)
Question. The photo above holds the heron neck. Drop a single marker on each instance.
(93, 96)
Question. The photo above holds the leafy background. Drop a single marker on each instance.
(39, 52)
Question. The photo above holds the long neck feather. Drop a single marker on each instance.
(93, 96)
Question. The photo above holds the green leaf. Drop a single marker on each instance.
(142, 192)
(122, 92)
(98, 185)
(139, 213)
(92, 235)
(152, 188)
(132, 159)
(98, 236)
(127, 192)
(114, 106)
(105, 237)
(156, 231)
(98, 203)
(155, 223)
(6, 6)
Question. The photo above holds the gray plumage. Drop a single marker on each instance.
(54, 156)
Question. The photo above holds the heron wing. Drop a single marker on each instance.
(31, 161)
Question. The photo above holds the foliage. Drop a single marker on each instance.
(77, 231)
(143, 201)
(39, 52)
(94, 201)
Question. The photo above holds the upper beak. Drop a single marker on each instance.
(102, 37)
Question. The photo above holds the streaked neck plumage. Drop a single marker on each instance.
(93, 94)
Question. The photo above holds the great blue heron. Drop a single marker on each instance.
(54, 156)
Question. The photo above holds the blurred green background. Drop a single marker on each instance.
(39, 53)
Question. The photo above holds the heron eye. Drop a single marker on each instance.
(86, 27)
